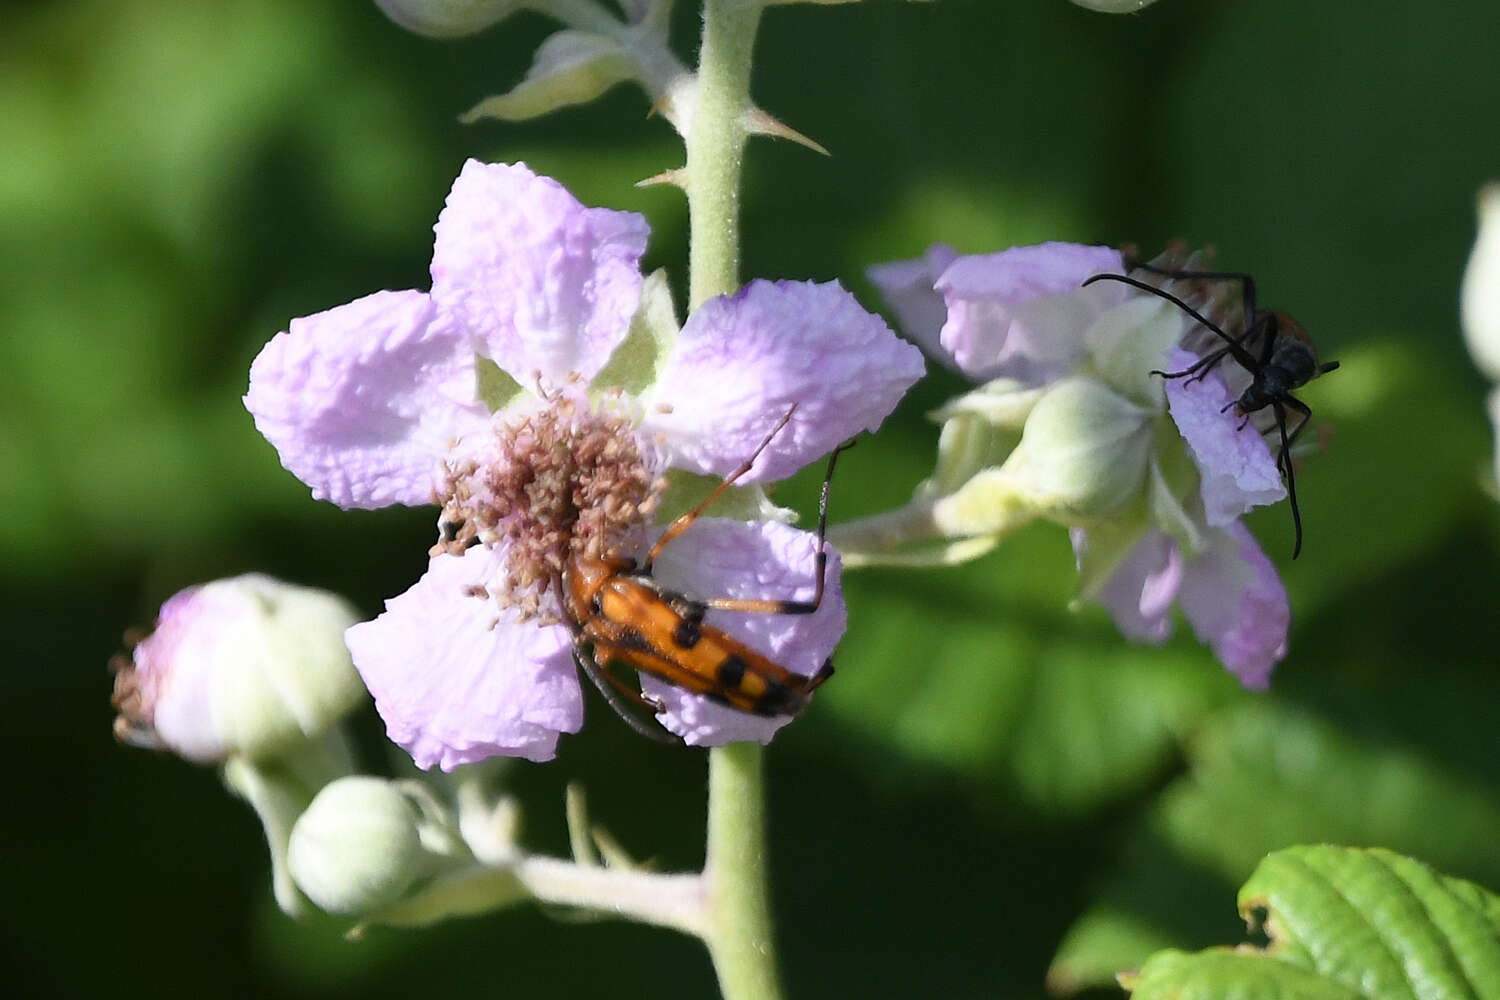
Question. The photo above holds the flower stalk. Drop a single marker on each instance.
(738, 922)
(716, 147)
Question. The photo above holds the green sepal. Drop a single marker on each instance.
(571, 67)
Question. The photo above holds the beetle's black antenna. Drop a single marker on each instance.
(1243, 356)
(1247, 283)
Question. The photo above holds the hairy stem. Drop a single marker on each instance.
(738, 919)
(738, 925)
(716, 147)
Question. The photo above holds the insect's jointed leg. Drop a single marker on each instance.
(616, 694)
(683, 522)
(774, 607)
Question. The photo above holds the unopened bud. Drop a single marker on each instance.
(1480, 297)
(1115, 6)
(1083, 452)
(358, 846)
(247, 666)
(447, 18)
(1082, 455)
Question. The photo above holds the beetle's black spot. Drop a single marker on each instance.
(689, 609)
(732, 671)
(778, 699)
(687, 633)
(632, 639)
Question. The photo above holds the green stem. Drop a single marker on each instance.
(716, 147)
(738, 931)
(738, 918)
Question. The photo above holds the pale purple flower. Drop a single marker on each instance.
(1018, 312)
(1021, 317)
(1235, 466)
(1229, 592)
(485, 396)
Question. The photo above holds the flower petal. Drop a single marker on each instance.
(717, 558)
(546, 285)
(1237, 605)
(362, 401)
(1235, 464)
(742, 361)
(454, 684)
(909, 287)
(1140, 591)
(1021, 312)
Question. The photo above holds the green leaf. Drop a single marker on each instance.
(1344, 923)
(1275, 776)
(1261, 776)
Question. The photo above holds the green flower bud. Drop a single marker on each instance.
(1115, 6)
(1083, 452)
(447, 18)
(1130, 341)
(1082, 455)
(358, 846)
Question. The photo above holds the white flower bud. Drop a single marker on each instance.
(1129, 341)
(247, 666)
(1480, 296)
(447, 18)
(1084, 449)
(1115, 6)
(358, 846)
(1083, 455)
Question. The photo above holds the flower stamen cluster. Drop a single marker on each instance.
(567, 479)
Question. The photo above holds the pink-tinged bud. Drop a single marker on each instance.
(247, 666)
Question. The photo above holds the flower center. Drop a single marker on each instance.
(570, 478)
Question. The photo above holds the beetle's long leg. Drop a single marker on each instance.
(773, 607)
(1206, 364)
(817, 679)
(1285, 463)
(615, 694)
(1306, 414)
(1235, 347)
(682, 523)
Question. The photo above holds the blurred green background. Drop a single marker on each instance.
(993, 787)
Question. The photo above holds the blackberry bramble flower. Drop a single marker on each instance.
(544, 397)
(1069, 423)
